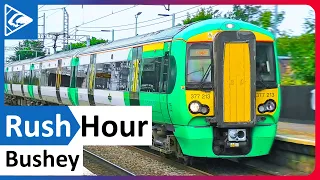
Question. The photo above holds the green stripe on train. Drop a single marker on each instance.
(5, 88)
(30, 86)
(73, 90)
(5, 84)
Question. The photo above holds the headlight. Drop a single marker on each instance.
(268, 106)
(194, 107)
(261, 108)
(205, 109)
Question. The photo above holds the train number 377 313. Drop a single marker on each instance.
(200, 96)
(265, 95)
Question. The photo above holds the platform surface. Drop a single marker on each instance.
(296, 131)
(86, 172)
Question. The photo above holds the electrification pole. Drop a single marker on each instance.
(44, 26)
(173, 16)
(136, 16)
(65, 28)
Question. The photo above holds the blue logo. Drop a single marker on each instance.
(54, 125)
(19, 25)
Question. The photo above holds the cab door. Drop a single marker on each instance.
(163, 97)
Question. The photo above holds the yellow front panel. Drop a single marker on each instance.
(209, 36)
(237, 87)
(206, 98)
(263, 96)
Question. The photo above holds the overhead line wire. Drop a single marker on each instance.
(104, 16)
(143, 21)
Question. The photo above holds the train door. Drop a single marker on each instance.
(150, 83)
(234, 78)
(58, 81)
(163, 97)
(6, 78)
(134, 85)
(38, 78)
(91, 79)
(22, 80)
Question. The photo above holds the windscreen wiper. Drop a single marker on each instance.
(265, 86)
(200, 70)
(205, 76)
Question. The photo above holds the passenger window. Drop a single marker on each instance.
(82, 76)
(16, 78)
(65, 76)
(35, 77)
(6, 77)
(150, 79)
(26, 78)
(112, 76)
(103, 76)
(48, 77)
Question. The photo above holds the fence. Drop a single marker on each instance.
(296, 102)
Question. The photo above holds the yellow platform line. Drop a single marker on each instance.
(295, 140)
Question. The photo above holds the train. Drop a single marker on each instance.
(214, 85)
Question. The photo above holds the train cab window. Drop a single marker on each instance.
(65, 76)
(82, 76)
(198, 61)
(48, 77)
(265, 62)
(151, 72)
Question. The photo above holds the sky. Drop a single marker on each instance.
(123, 22)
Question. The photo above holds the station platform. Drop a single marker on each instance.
(86, 172)
(296, 131)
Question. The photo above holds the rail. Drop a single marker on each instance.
(108, 165)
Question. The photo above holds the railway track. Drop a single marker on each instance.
(208, 167)
(189, 169)
(98, 165)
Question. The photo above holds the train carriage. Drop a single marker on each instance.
(213, 85)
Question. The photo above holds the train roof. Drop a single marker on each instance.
(182, 31)
(61, 54)
(140, 39)
(219, 24)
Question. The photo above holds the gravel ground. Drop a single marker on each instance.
(135, 162)
(94, 166)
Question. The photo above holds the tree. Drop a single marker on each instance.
(310, 22)
(93, 41)
(28, 49)
(303, 55)
(201, 15)
(254, 15)
(251, 14)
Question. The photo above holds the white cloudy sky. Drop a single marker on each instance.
(293, 21)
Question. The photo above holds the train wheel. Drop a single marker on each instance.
(187, 160)
(164, 155)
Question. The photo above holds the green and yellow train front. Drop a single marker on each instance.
(227, 96)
